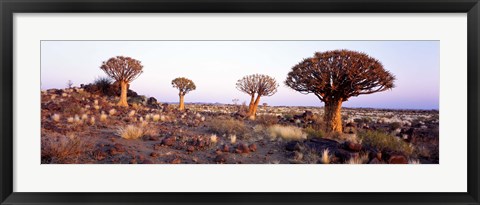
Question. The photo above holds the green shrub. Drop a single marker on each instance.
(103, 84)
(383, 141)
(314, 133)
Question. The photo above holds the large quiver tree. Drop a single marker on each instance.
(335, 76)
(184, 86)
(124, 70)
(259, 85)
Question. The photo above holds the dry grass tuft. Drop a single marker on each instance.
(414, 161)
(103, 117)
(362, 159)
(112, 112)
(286, 132)
(213, 139)
(130, 132)
(156, 117)
(233, 139)
(326, 156)
(56, 117)
(92, 121)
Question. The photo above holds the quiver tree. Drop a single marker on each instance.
(259, 85)
(184, 85)
(335, 76)
(124, 70)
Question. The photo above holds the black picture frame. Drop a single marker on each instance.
(9, 7)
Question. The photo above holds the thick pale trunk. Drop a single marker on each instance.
(250, 106)
(254, 108)
(333, 117)
(181, 105)
(123, 96)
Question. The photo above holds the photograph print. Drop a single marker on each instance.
(240, 102)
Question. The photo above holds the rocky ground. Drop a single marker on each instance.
(81, 126)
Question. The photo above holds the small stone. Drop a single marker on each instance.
(252, 147)
(226, 148)
(242, 148)
(153, 154)
(220, 158)
(190, 148)
(168, 141)
(176, 161)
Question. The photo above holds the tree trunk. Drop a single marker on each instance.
(250, 106)
(123, 96)
(333, 117)
(181, 106)
(254, 108)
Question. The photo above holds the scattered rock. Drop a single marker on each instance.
(252, 147)
(220, 158)
(190, 148)
(117, 149)
(397, 159)
(293, 146)
(375, 161)
(150, 138)
(147, 162)
(99, 155)
(242, 149)
(226, 148)
(353, 146)
(157, 146)
(153, 154)
(168, 141)
(176, 161)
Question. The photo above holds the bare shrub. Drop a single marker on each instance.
(62, 149)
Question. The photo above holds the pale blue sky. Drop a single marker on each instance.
(215, 67)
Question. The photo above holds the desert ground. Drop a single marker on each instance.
(80, 125)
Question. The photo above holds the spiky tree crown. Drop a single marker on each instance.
(263, 85)
(339, 74)
(122, 68)
(184, 85)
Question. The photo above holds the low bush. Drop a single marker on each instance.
(384, 141)
(314, 133)
(227, 126)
